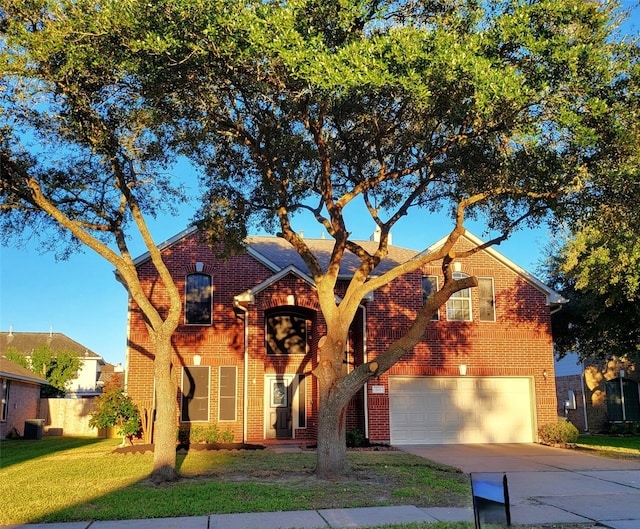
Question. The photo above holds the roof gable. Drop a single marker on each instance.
(553, 297)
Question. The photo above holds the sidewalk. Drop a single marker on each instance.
(320, 519)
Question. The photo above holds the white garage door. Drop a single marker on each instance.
(431, 410)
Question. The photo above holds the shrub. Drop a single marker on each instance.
(209, 434)
(115, 408)
(624, 428)
(558, 433)
(355, 438)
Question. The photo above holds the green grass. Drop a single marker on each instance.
(611, 446)
(67, 479)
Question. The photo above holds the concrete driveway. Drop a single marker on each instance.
(552, 485)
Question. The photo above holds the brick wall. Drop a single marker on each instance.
(23, 405)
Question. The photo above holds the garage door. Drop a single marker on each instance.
(431, 410)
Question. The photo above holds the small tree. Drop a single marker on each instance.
(115, 408)
(58, 368)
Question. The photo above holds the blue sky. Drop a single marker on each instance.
(81, 298)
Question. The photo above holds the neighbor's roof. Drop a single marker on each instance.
(11, 370)
(25, 342)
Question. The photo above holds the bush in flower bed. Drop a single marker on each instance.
(558, 434)
(209, 434)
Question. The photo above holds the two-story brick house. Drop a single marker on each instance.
(246, 349)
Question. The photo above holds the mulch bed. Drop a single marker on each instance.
(184, 448)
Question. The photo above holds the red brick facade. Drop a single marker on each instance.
(517, 344)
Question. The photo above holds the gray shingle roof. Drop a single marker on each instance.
(25, 342)
(11, 370)
(278, 254)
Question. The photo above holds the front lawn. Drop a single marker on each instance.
(67, 479)
(611, 446)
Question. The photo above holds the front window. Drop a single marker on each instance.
(195, 394)
(459, 304)
(286, 334)
(198, 299)
(4, 405)
(623, 400)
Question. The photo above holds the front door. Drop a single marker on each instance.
(278, 414)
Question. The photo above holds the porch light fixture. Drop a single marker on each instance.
(196, 360)
(545, 374)
(463, 369)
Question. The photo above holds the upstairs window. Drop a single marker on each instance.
(429, 286)
(487, 299)
(286, 333)
(198, 299)
(459, 304)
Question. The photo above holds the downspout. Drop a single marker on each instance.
(365, 360)
(245, 396)
(584, 399)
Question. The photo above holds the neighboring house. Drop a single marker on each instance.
(85, 383)
(596, 394)
(247, 345)
(20, 397)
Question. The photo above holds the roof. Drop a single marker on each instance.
(11, 370)
(276, 253)
(553, 297)
(25, 342)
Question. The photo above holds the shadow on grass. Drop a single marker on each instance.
(16, 451)
(112, 487)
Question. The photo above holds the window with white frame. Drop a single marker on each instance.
(459, 304)
(227, 393)
(198, 299)
(487, 304)
(195, 394)
(286, 333)
(430, 286)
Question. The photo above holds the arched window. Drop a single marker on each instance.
(286, 333)
(198, 299)
(459, 304)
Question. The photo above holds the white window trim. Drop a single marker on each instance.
(460, 275)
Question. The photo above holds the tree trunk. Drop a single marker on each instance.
(164, 453)
(332, 445)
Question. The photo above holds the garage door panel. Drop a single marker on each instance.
(435, 410)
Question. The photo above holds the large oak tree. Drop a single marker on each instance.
(498, 110)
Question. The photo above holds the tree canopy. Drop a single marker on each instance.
(58, 368)
(507, 111)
